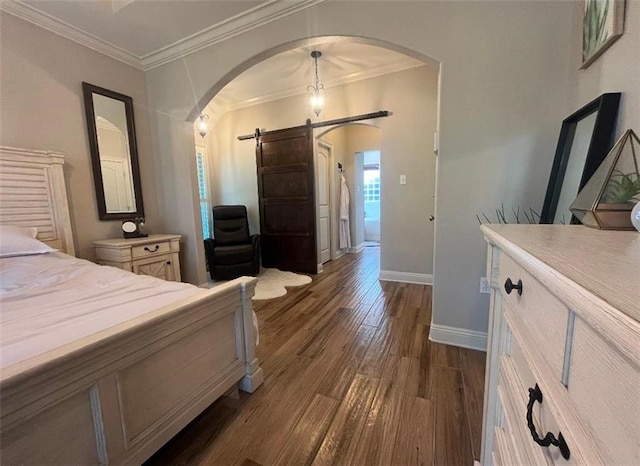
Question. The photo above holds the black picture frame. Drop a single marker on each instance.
(600, 144)
(88, 91)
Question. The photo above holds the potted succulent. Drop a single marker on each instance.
(622, 189)
(607, 198)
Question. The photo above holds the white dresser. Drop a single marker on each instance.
(154, 255)
(564, 346)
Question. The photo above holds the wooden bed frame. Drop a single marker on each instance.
(118, 395)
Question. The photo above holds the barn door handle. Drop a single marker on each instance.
(535, 394)
(155, 249)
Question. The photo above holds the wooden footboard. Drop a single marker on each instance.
(118, 396)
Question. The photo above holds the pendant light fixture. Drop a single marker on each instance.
(202, 125)
(317, 88)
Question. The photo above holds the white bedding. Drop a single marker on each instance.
(49, 300)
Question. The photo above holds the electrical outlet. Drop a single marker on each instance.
(485, 286)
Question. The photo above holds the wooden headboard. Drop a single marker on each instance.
(33, 194)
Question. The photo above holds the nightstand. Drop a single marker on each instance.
(155, 255)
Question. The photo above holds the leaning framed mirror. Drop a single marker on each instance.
(585, 139)
(114, 153)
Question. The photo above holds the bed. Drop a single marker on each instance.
(99, 365)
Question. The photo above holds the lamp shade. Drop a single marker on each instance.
(610, 194)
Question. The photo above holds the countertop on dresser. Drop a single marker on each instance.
(604, 263)
(129, 242)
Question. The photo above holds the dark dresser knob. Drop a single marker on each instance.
(509, 286)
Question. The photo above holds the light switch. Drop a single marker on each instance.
(403, 179)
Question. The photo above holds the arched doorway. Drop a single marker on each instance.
(398, 250)
(349, 144)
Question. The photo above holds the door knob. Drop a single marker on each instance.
(431, 218)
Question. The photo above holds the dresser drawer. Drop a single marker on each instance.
(553, 414)
(504, 449)
(544, 317)
(517, 447)
(604, 388)
(504, 444)
(151, 249)
(545, 419)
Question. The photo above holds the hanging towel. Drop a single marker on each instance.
(345, 234)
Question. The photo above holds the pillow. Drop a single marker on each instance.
(17, 241)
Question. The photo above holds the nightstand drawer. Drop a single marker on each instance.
(151, 249)
(543, 316)
(155, 255)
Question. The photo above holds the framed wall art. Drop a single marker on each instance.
(603, 24)
(585, 139)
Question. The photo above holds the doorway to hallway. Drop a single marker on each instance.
(371, 193)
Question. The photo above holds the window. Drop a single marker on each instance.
(203, 191)
(372, 183)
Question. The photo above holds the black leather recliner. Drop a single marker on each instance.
(233, 252)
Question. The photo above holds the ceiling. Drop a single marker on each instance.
(141, 27)
(148, 33)
(289, 73)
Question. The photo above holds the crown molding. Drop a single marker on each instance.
(260, 15)
(48, 22)
(350, 78)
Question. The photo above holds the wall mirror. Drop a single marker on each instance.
(585, 139)
(114, 154)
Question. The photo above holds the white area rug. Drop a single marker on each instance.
(272, 282)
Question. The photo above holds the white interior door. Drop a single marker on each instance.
(323, 159)
(117, 190)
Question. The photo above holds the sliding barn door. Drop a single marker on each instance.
(284, 161)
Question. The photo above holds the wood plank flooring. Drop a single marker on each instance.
(350, 378)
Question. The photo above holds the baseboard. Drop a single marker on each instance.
(338, 254)
(357, 249)
(456, 336)
(406, 277)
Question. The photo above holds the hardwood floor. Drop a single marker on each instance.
(350, 378)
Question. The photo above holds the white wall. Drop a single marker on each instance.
(411, 96)
(617, 70)
(41, 107)
(504, 91)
